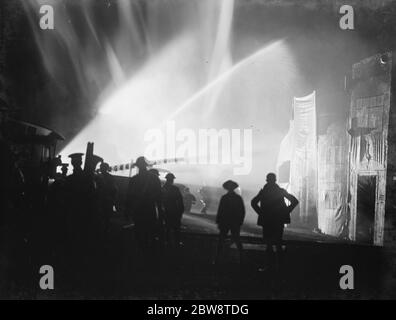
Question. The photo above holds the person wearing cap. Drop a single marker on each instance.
(77, 182)
(64, 169)
(230, 217)
(76, 162)
(160, 227)
(172, 201)
(107, 194)
(144, 203)
(273, 214)
(80, 202)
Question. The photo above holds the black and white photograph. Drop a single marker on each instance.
(212, 151)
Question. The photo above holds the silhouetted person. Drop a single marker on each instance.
(172, 201)
(160, 227)
(76, 193)
(64, 169)
(273, 213)
(230, 216)
(143, 202)
(80, 189)
(84, 229)
(76, 162)
(188, 200)
(107, 193)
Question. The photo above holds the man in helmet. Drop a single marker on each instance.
(107, 193)
(81, 202)
(172, 201)
(144, 203)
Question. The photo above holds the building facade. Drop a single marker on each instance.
(371, 178)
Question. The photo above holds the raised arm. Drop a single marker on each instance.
(293, 200)
(255, 203)
(243, 210)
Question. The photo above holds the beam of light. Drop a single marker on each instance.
(225, 76)
(221, 57)
(167, 79)
(251, 89)
(255, 95)
(188, 77)
(140, 103)
(140, 80)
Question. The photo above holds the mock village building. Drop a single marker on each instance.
(356, 161)
(371, 151)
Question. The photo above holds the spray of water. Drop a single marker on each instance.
(141, 65)
(244, 64)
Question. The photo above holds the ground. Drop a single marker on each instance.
(309, 269)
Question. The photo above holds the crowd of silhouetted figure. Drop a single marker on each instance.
(67, 220)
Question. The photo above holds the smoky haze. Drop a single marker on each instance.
(111, 70)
